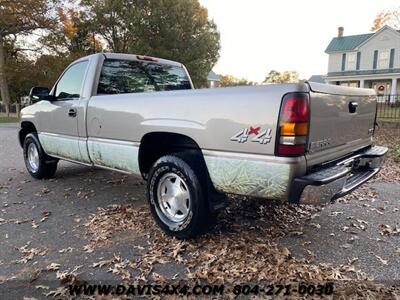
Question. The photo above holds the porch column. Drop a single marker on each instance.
(393, 91)
(362, 83)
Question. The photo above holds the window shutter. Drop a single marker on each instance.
(375, 59)
(391, 62)
(358, 60)
(343, 61)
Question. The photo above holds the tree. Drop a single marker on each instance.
(73, 35)
(284, 77)
(179, 30)
(229, 80)
(172, 29)
(19, 18)
(20, 75)
(389, 17)
(25, 71)
(47, 69)
(114, 21)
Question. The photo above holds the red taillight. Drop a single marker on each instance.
(295, 109)
(293, 125)
(291, 150)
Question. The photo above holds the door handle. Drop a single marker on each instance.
(353, 107)
(72, 113)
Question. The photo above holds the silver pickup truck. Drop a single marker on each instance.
(303, 143)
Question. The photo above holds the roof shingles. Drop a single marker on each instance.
(347, 43)
(212, 76)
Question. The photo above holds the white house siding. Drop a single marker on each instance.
(384, 40)
(335, 62)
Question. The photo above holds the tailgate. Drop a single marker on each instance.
(342, 121)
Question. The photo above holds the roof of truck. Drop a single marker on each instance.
(137, 57)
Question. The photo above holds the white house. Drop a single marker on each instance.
(369, 60)
(213, 80)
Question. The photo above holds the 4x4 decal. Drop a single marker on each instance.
(260, 136)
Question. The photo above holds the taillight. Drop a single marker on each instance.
(293, 125)
(144, 57)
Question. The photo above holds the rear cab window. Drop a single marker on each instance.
(130, 76)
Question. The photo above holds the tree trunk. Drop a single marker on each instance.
(5, 95)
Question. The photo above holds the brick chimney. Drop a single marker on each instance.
(340, 31)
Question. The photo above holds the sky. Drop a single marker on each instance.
(262, 35)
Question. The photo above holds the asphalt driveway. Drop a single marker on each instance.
(93, 225)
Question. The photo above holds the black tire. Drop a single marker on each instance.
(47, 165)
(199, 218)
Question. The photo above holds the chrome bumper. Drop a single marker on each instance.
(330, 183)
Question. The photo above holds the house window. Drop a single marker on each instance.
(383, 59)
(351, 61)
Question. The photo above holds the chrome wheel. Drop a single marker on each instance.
(33, 157)
(173, 197)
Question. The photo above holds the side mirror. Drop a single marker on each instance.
(38, 93)
(48, 98)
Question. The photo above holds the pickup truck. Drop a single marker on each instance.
(303, 143)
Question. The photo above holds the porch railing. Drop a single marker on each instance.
(389, 107)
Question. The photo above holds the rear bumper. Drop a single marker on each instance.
(330, 183)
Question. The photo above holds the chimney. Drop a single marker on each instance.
(340, 31)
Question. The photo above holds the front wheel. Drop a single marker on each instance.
(38, 164)
(176, 193)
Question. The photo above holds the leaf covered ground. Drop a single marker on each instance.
(245, 245)
(98, 223)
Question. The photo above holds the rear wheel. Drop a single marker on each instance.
(177, 196)
(38, 164)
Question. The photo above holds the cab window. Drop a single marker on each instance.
(129, 76)
(70, 84)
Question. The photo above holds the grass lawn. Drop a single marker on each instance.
(4, 119)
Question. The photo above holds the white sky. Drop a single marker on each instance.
(260, 35)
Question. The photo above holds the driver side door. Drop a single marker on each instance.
(59, 118)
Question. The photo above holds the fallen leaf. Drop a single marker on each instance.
(383, 261)
(353, 260)
(35, 275)
(389, 230)
(43, 287)
(69, 249)
(88, 248)
(53, 267)
(316, 225)
(296, 233)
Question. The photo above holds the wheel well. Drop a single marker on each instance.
(157, 144)
(26, 128)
